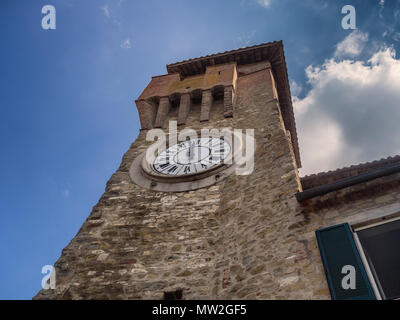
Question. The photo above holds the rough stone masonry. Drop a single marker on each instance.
(246, 237)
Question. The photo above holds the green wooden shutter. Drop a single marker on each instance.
(337, 248)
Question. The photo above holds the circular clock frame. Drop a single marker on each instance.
(143, 173)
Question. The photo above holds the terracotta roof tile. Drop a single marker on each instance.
(318, 179)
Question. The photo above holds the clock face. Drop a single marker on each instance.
(192, 156)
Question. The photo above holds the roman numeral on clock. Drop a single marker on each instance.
(165, 165)
(168, 167)
(172, 169)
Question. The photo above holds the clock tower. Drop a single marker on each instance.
(181, 223)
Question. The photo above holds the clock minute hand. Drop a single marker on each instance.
(191, 147)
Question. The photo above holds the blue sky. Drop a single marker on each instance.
(67, 98)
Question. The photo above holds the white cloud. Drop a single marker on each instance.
(352, 45)
(245, 39)
(106, 10)
(295, 88)
(66, 193)
(126, 44)
(264, 3)
(351, 114)
(396, 36)
(381, 8)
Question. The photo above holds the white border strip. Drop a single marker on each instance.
(367, 268)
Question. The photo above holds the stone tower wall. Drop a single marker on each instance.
(213, 243)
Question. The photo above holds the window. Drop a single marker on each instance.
(173, 295)
(338, 251)
(362, 262)
(380, 246)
